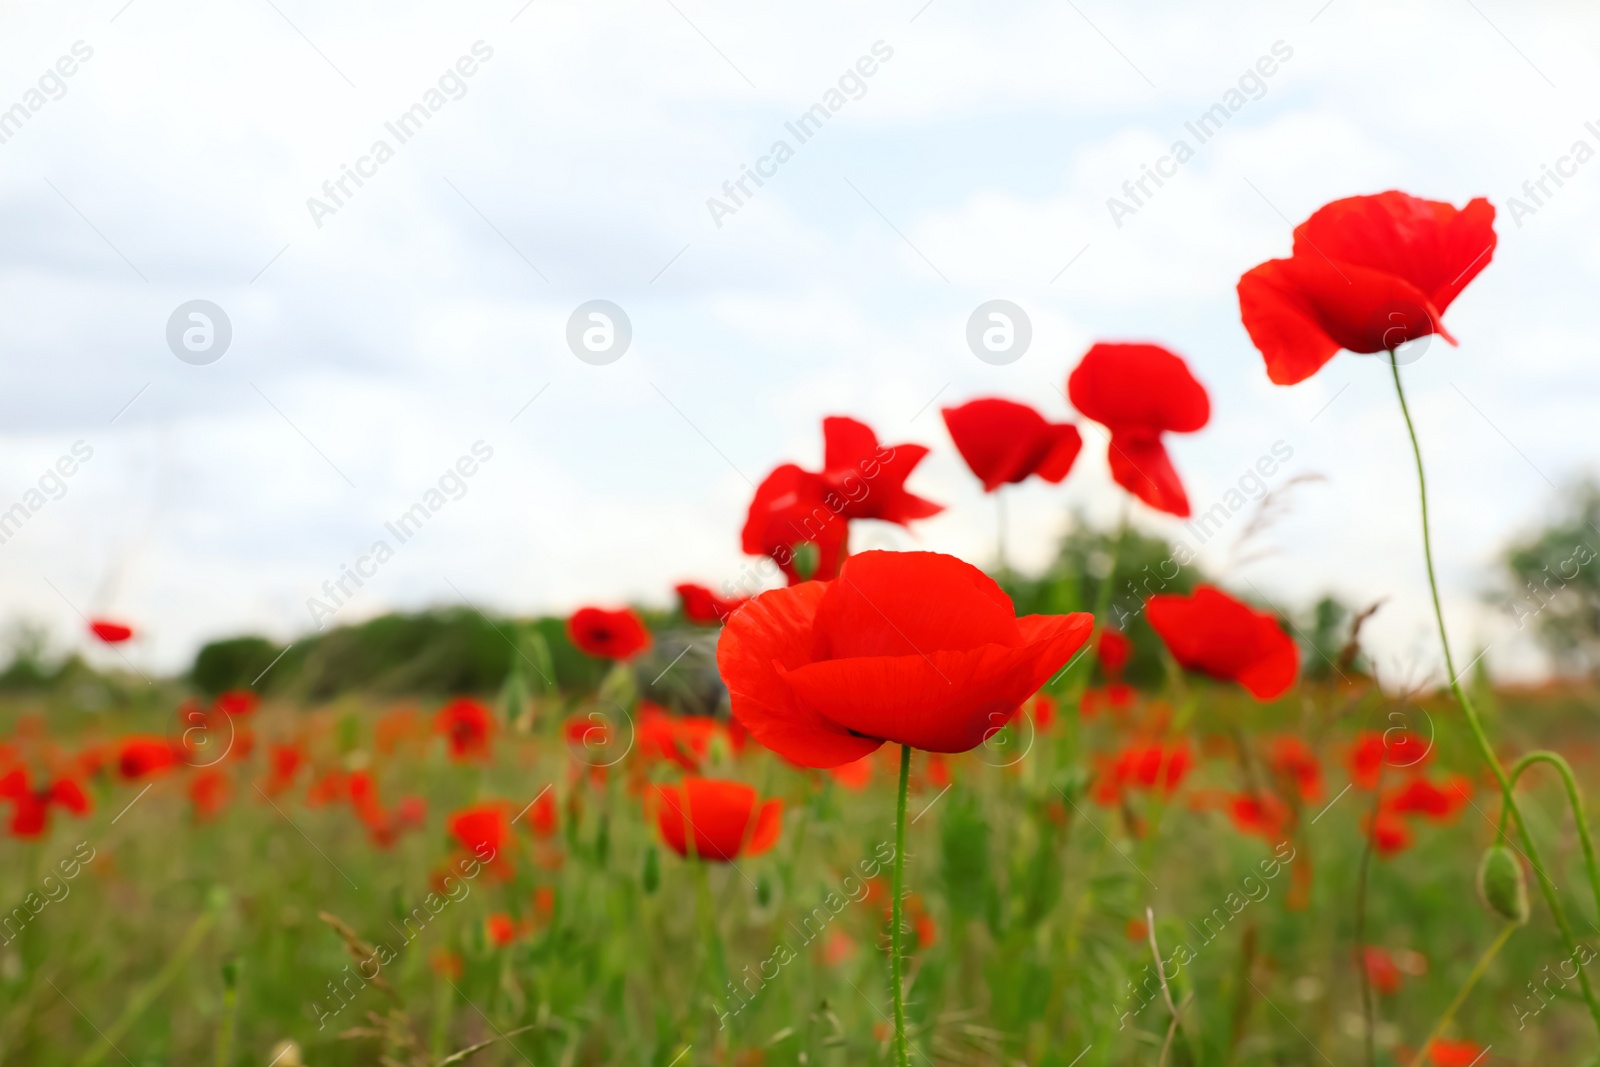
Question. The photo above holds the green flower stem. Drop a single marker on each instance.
(1461, 994)
(1573, 798)
(1529, 847)
(896, 963)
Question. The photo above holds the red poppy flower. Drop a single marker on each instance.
(1003, 442)
(1446, 1053)
(1367, 273)
(1390, 834)
(143, 757)
(485, 831)
(112, 633)
(209, 791)
(703, 606)
(1438, 802)
(411, 812)
(1139, 392)
(446, 963)
(871, 479)
(544, 818)
(1042, 710)
(1381, 970)
(1214, 634)
(238, 702)
(853, 776)
(910, 647)
(467, 726)
(1113, 649)
(283, 763)
(728, 821)
(30, 816)
(608, 634)
(1155, 766)
(1263, 816)
(500, 929)
(793, 507)
(1401, 749)
(1116, 698)
(1293, 758)
(544, 902)
(681, 739)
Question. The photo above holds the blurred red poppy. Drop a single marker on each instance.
(728, 821)
(871, 478)
(1116, 698)
(1390, 834)
(793, 507)
(237, 702)
(1401, 749)
(1139, 392)
(467, 726)
(30, 816)
(1215, 634)
(1113, 650)
(1292, 758)
(854, 776)
(1154, 766)
(144, 756)
(1042, 710)
(703, 606)
(1438, 802)
(1446, 1053)
(1367, 273)
(1381, 971)
(544, 818)
(605, 634)
(112, 633)
(500, 929)
(681, 739)
(916, 648)
(1003, 441)
(1262, 816)
(485, 831)
(209, 791)
(283, 763)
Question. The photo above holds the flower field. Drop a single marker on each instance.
(878, 807)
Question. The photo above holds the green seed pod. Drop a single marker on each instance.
(1501, 885)
(807, 557)
(763, 891)
(651, 878)
(230, 973)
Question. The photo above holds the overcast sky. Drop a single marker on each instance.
(378, 337)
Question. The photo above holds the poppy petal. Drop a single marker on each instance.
(1141, 465)
(769, 634)
(871, 610)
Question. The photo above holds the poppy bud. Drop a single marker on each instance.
(651, 878)
(1501, 884)
(230, 973)
(763, 891)
(807, 557)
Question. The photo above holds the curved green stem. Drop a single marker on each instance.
(896, 964)
(1466, 988)
(1529, 847)
(1574, 799)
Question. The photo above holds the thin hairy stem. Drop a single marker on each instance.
(896, 963)
(1529, 847)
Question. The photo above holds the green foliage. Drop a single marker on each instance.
(1553, 581)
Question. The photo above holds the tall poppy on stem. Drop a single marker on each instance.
(1390, 265)
(915, 648)
(714, 819)
(110, 632)
(618, 635)
(1139, 392)
(1005, 442)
